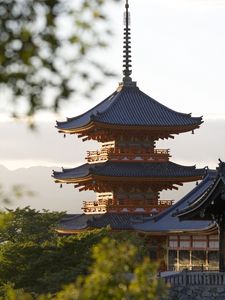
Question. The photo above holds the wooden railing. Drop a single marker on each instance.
(117, 154)
(186, 278)
(165, 202)
(101, 206)
(90, 207)
(105, 203)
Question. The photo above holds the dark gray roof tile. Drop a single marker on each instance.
(131, 107)
(131, 169)
(167, 221)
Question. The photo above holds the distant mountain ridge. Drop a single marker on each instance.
(48, 194)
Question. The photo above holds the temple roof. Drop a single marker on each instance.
(203, 207)
(154, 170)
(168, 221)
(129, 106)
(116, 221)
(163, 222)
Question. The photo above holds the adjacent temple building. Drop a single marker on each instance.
(129, 172)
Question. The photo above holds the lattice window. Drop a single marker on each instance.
(199, 244)
(214, 244)
(173, 244)
(199, 237)
(185, 237)
(185, 244)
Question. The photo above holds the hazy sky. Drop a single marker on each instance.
(178, 53)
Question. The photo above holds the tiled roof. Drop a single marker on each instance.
(131, 169)
(164, 222)
(117, 221)
(131, 107)
(167, 221)
(221, 171)
(195, 207)
(114, 220)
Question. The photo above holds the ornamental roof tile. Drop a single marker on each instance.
(130, 169)
(129, 106)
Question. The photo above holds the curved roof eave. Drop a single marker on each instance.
(208, 229)
(168, 130)
(86, 115)
(131, 107)
(135, 171)
(167, 221)
(191, 197)
(183, 214)
(196, 205)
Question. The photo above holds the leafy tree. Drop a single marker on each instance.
(11, 294)
(118, 272)
(16, 192)
(24, 234)
(22, 225)
(46, 45)
(34, 258)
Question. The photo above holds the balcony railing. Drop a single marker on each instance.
(107, 205)
(187, 278)
(165, 202)
(90, 207)
(117, 154)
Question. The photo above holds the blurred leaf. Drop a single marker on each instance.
(32, 42)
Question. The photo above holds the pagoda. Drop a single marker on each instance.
(129, 171)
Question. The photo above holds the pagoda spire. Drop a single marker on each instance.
(127, 71)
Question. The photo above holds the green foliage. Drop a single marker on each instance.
(28, 240)
(22, 225)
(16, 192)
(117, 273)
(36, 261)
(46, 44)
(11, 294)
(34, 258)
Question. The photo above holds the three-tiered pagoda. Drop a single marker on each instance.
(129, 171)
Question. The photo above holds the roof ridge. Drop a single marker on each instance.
(116, 96)
(126, 88)
(170, 109)
(182, 200)
(91, 109)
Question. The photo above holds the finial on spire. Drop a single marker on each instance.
(127, 48)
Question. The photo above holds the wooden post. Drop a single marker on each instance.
(221, 226)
